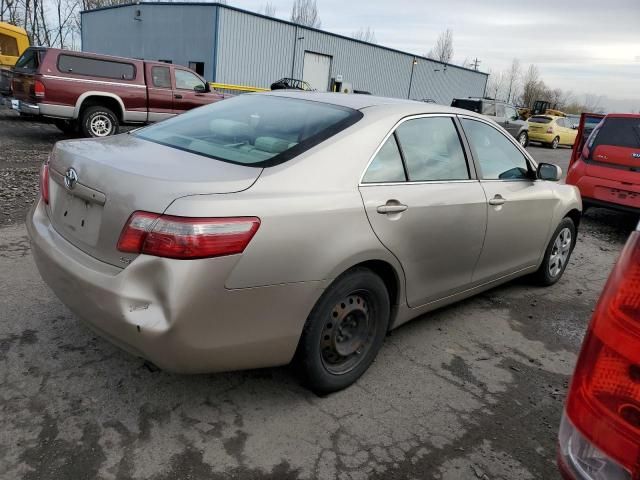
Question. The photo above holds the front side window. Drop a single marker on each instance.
(511, 113)
(8, 45)
(387, 164)
(499, 159)
(161, 77)
(95, 67)
(489, 108)
(432, 150)
(253, 130)
(187, 80)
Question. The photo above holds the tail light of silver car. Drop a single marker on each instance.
(600, 432)
(44, 182)
(186, 238)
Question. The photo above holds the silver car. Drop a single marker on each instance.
(292, 226)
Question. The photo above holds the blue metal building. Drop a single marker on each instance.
(229, 45)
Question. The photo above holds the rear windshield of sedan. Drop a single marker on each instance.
(540, 119)
(253, 130)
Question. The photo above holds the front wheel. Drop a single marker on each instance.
(344, 331)
(558, 253)
(98, 121)
(523, 139)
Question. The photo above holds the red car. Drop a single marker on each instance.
(605, 163)
(96, 93)
(600, 431)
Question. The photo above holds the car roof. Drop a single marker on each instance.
(360, 101)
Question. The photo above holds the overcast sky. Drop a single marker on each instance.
(586, 46)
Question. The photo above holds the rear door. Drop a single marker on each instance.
(159, 91)
(519, 209)
(189, 91)
(426, 206)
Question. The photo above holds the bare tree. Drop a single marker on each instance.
(268, 9)
(366, 35)
(495, 85)
(443, 49)
(305, 12)
(513, 77)
(532, 86)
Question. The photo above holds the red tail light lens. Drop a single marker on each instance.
(186, 238)
(44, 182)
(604, 399)
(38, 89)
(550, 130)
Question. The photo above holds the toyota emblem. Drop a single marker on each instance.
(70, 178)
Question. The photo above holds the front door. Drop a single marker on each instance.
(425, 206)
(189, 92)
(160, 91)
(520, 207)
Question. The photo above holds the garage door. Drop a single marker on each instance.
(316, 70)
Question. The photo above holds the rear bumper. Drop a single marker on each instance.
(177, 314)
(622, 195)
(46, 110)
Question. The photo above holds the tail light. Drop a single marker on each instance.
(603, 406)
(550, 130)
(44, 182)
(38, 89)
(184, 237)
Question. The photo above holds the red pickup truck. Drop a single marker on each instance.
(96, 93)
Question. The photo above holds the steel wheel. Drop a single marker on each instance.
(101, 125)
(347, 334)
(560, 252)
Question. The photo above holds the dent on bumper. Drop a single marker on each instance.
(177, 314)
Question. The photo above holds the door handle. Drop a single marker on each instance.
(391, 208)
(497, 200)
(177, 96)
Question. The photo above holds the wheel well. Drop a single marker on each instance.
(388, 275)
(108, 102)
(576, 216)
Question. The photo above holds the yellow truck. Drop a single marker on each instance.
(13, 41)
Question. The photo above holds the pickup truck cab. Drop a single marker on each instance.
(95, 94)
(13, 41)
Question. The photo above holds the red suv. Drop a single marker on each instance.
(600, 431)
(605, 163)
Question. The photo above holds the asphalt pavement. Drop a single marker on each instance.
(472, 391)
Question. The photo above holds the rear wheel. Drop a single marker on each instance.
(98, 121)
(558, 253)
(556, 141)
(344, 331)
(523, 139)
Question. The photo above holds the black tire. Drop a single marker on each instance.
(523, 141)
(68, 127)
(98, 121)
(340, 308)
(544, 275)
(554, 144)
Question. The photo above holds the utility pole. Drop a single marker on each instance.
(476, 63)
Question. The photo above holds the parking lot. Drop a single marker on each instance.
(474, 390)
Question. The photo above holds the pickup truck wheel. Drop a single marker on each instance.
(68, 127)
(98, 121)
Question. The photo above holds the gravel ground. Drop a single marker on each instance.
(472, 391)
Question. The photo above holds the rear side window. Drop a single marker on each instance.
(29, 61)
(489, 108)
(431, 149)
(253, 130)
(96, 67)
(473, 105)
(8, 45)
(387, 164)
(619, 132)
(540, 119)
(161, 77)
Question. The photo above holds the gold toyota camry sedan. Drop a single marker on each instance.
(292, 226)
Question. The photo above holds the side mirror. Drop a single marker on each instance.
(549, 171)
(201, 88)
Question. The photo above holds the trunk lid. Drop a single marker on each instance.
(108, 179)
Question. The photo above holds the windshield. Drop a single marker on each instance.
(254, 130)
(540, 119)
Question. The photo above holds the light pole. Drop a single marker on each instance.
(413, 65)
(295, 43)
